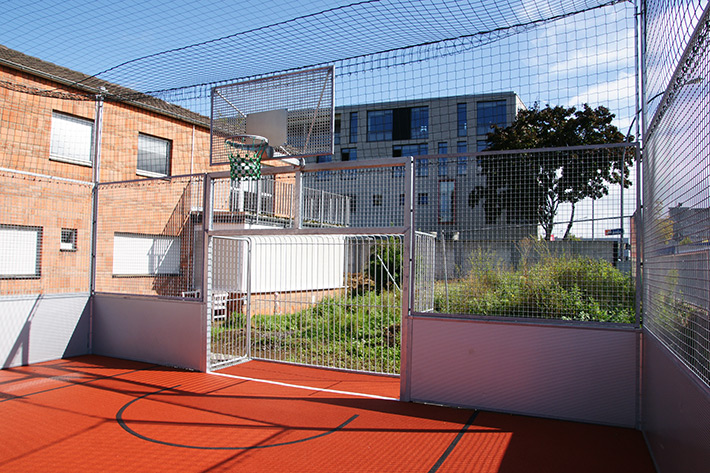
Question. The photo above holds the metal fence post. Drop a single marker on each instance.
(206, 303)
(407, 284)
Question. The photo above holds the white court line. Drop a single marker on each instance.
(309, 388)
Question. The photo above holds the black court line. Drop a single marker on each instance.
(124, 426)
(455, 442)
(70, 384)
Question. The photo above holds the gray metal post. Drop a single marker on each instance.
(298, 200)
(405, 385)
(206, 289)
(98, 122)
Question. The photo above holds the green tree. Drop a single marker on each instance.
(531, 186)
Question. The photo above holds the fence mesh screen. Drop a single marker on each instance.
(45, 235)
(527, 234)
(520, 117)
(677, 190)
(149, 237)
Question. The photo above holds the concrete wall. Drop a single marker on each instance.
(38, 328)
(160, 331)
(676, 411)
(586, 374)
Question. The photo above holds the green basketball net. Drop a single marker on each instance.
(245, 152)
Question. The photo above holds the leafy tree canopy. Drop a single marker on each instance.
(529, 186)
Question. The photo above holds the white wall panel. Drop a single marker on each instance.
(676, 411)
(38, 328)
(582, 374)
(165, 332)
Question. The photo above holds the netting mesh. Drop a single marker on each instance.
(394, 79)
(677, 190)
(245, 154)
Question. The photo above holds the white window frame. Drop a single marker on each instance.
(20, 251)
(145, 255)
(71, 139)
(168, 151)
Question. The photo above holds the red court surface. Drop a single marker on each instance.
(99, 414)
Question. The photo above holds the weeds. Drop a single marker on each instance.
(543, 286)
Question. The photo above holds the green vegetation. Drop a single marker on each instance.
(567, 288)
(358, 331)
(386, 264)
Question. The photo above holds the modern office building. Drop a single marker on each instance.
(443, 134)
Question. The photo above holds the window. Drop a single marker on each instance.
(71, 139)
(20, 250)
(443, 167)
(153, 156)
(410, 150)
(446, 201)
(462, 162)
(489, 114)
(336, 130)
(398, 124)
(443, 147)
(401, 199)
(377, 200)
(68, 239)
(419, 123)
(472, 199)
(481, 145)
(422, 167)
(379, 125)
(326, 158)
(348, 154)
(423, 198)
(145, 255)
(461, 119)
(353, 127)
(353, 203)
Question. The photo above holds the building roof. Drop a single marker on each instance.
(93, 86)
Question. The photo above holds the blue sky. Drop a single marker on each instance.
(582, 58)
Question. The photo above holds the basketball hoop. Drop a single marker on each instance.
(245, 153)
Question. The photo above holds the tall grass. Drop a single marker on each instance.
(358, 331)
(550, 287)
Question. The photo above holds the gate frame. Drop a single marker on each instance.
(406, 230)
(209, 301)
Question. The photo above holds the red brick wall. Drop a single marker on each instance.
(51, 205)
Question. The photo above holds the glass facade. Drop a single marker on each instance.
(461, 119)
(488, 114)
(419, 123)
(379, 125)
(446, 201)
(353, 127)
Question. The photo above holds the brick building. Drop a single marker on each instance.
(61, 132)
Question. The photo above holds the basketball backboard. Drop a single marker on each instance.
(293, 111)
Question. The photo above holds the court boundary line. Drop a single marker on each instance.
(454, 443)
(124, 425)
(308, 388)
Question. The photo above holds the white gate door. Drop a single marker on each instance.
(228, 301)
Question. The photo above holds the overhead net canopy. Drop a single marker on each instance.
(308, 37)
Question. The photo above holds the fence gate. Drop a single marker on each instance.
(328, 300)
(292, 277)
(228, 301)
